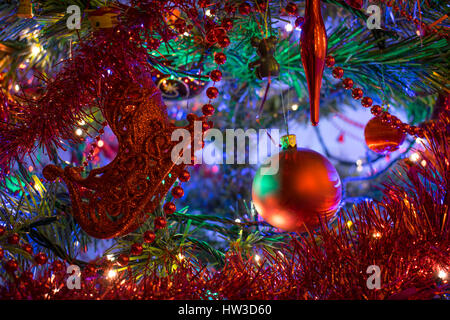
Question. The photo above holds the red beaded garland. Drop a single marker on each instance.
(160, 223)
(224, 42)
(376, 110)
(40, 258)
(169, 208)
(347, 83)
(330, 61)
(244, 8)
(357, 93)
(227, 24)
(220, 58)
(11, 266)
(366, 102)
(136, 249)
(27, 248)
(208, 109)
(14, 239)
(212, 92)
(184, 176)
(215, 75)
(149, 236)
(291, 8)
(57, 266)
(123, 260)
(177, 192)
(338, 72)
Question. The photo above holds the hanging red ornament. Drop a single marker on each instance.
(313, 42)
(305, 190)
(357, 4)
(291, 8)
(381, 137)
(220, 58)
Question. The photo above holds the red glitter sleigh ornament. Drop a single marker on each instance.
(112, 75)
(116, 199)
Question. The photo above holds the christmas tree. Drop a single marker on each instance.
(224, 150)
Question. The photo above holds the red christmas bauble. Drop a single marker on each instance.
(149, 236)
(14, 239)
(123, 260)
(160, 223)
(136, 249)
(381, 137)
(305, 190)
(169, 208)
(41, 258)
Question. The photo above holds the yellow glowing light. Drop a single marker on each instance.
(78, 132)
(81, 122)
(180, 257)
(17, 87)
(349, 224)
(376, 235)
(100, 143)
(237, 220)
(294, 107)
(35, 50)
(208, 12)
(289, 27)
(414, 157)
(110, 257)
(257, 258)
(423, 163)
(112, 274)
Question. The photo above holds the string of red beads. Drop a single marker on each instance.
(367, 102)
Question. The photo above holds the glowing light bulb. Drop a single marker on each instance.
(180, 257)
(423, 163)
(112, 274)
(237, 220)
(288, 27)
(35, 50)
(414, 157)
(78, 132)
(442, 274)
(17, 87)
(257, 258)
(376, 235)
(208, 12)
(81, 122)
(294, 107)
(349, 224)
(110, 257)
(100, 143)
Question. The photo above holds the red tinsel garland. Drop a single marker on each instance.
(406, 235)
